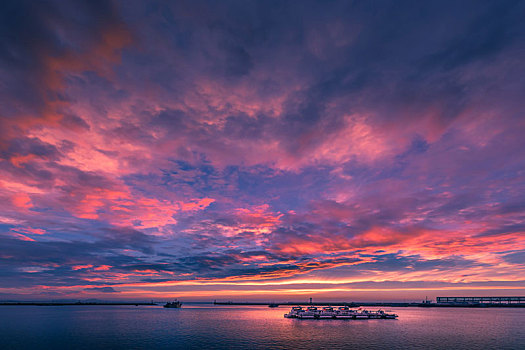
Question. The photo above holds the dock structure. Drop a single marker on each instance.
(481, 300)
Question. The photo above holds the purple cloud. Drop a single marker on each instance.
(260, 146)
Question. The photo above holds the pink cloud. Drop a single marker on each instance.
(103, 268)
(21, 200)
(199, 205)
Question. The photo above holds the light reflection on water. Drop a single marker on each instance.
(249, 327)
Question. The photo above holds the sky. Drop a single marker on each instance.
(261, 150)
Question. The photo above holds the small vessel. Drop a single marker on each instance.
(273, 305)
(311, 312)
(327, 312)
(174, 304)
(344, 312)
(294, 312)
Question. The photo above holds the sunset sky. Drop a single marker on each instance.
(261, 150)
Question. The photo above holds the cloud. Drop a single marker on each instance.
(148, 145)
(102, 290)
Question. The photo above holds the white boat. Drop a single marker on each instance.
(294, 312)
(344, 312)
(327, 312)
(311, 312)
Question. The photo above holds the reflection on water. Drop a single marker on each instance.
(242, 327)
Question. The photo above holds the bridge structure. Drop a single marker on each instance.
(481, 300)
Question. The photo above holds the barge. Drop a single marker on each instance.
(343, 312)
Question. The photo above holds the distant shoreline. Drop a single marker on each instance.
(349, 304)
(72, 303)
(355, 304)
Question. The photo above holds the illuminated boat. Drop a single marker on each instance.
(327, 312)
(343, 312)
(311, 312)
(294, 312)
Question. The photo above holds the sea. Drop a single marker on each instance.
(201, 326)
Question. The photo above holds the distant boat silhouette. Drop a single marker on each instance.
(174, 304)
(273, 305)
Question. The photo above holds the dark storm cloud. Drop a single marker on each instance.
(496, 28)
(504, 229)
(32, 146)
(515, 258)
(56, 262)
(31, 32)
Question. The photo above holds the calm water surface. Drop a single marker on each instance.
(254, 327)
